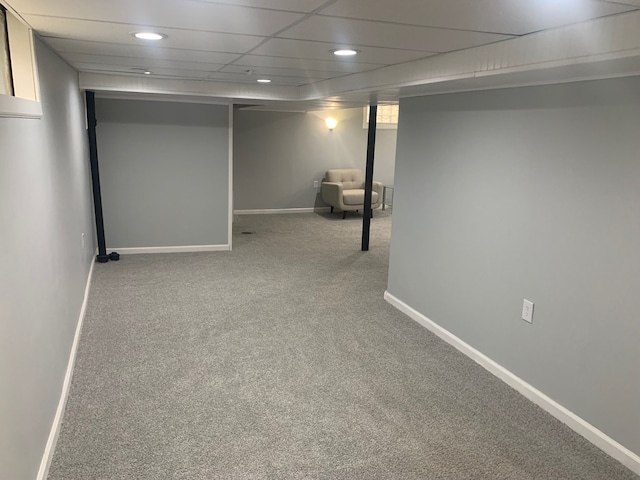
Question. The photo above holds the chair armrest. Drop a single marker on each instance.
(332, 194)
(377, 187)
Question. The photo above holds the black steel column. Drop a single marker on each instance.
(368, 181)
(95, 176)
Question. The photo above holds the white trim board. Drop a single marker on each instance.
(176, 249)
(47, 456)
(15, 107)
(573, 421)
(158, 97)
(281, 210)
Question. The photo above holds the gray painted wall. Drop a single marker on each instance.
(277, 156)
(45, 206)
(530, 193)
(164, 171)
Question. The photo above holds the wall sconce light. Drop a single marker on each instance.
(331, 123)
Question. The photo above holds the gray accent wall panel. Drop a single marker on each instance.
(278, 155)
(45, 207)
(164, 170)
(530, 193)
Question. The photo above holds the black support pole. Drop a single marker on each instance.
(368, 181)
(95, 176)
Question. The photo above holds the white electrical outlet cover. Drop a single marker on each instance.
(527, 311)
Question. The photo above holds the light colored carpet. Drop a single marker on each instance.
(281, 360)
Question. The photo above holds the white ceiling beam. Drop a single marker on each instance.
(134, 84)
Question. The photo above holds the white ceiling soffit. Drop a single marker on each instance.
(149, 84)
(217, 48)
(539, 54)
(559, 74)
(351, 101)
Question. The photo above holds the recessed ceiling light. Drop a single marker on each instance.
(144, 71)
(344, 52)
(149, 36)
(264, 80)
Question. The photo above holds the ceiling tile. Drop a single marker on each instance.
(78, 58)
(282, 72)
(65, 46)
(357, 32)
(322, 51)
(121, 33)
(181, 14)
(156, 72)
(291, 5)
(275, 80)
(302, 64)
(498, 16)
(632, 3)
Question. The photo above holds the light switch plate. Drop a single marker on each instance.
(527, 311)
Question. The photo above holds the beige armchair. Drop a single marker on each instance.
(344, 189)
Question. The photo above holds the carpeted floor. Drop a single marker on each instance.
(281, 360)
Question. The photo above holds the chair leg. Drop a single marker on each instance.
(344, 214)
(331, 209)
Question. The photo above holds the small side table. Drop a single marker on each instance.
(387, 196)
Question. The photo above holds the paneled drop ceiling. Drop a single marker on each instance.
(289, 42)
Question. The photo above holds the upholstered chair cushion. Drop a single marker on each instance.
(350, 178)
(355, 196)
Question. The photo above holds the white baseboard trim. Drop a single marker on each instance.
(178, 249)
(281, 210)
(573, 421)
(47, 456)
